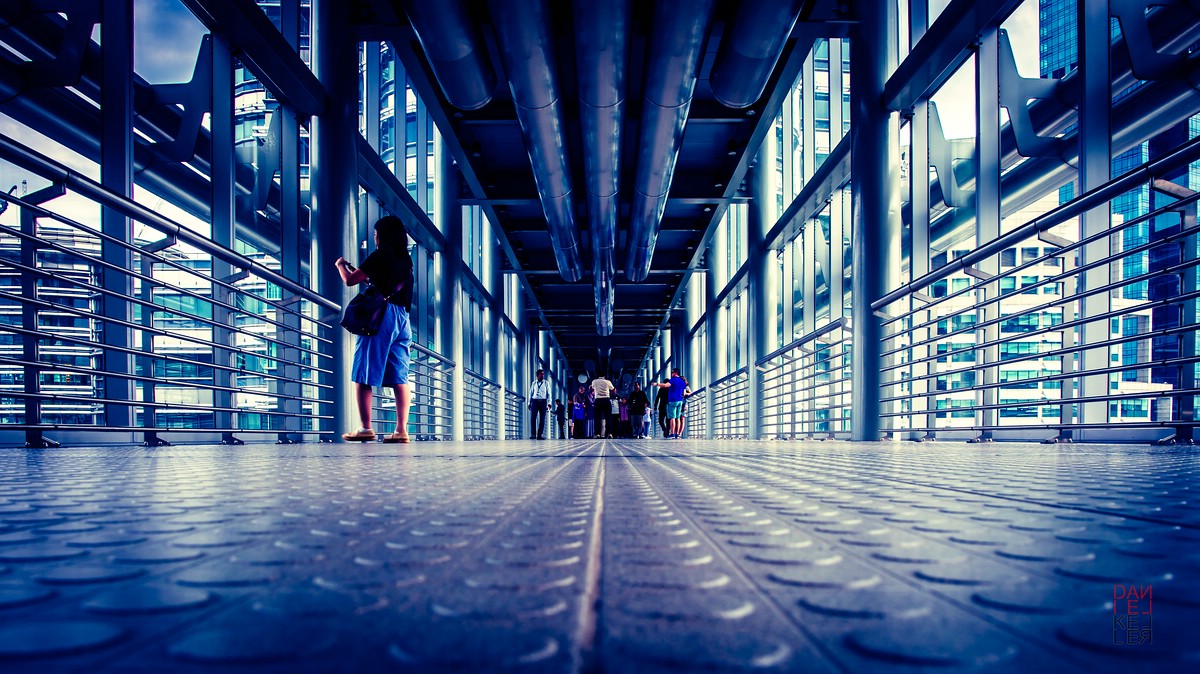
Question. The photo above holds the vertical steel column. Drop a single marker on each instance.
(918, 177)
(716, 341)
(808, 128)
(760, 313)
(449, 217)
(116, 174)
(372, 94)
(291, 247)
(224, 209)
(1095, 166)
(875, 185)
(334, 177)
(808, 289)
(835, 91)
(987, 208)
(495, 323)
(421, 150)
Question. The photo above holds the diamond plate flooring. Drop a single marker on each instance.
(589, 556)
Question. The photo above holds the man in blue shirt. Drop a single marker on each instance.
(675, 388)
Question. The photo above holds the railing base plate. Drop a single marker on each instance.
(1058, 440)
(230, 439)
(41, 443)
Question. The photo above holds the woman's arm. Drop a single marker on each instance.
(350, 275)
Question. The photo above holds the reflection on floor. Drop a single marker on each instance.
(591, 556)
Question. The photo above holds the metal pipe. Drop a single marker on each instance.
(523, 34)
(602, 41)
(750, 49)
(454, 45)
(678, 32)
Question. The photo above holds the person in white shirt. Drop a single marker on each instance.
(539, 397)
(603, 389)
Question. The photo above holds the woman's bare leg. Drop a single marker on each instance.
(403, 400)
(363, 396)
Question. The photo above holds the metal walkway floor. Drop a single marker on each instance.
(587, 556)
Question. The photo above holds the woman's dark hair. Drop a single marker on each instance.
(393, 237)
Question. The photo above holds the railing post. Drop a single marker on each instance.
(29, 342)
(116, 171)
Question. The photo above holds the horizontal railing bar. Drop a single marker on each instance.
(1184, 233)
(158, 429)
(143, 354)
(740, 372)
(1056, 402)
(1053, 353)
(1058, 376)
(814, 335)
(476, 375)
(1182, 156)
(60, 174)
(171, 383)
(54, 397)
(1113, 425)
(154, 331)
(158, 308)
(150, 280)
(1045, 306)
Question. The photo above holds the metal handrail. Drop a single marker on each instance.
(1182, 156)
(57, 173)
(160, 356)
(154, 258)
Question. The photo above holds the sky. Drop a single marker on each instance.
(956, 99)
(166, 38)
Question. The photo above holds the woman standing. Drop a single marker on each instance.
(383, 359)
(579, 405)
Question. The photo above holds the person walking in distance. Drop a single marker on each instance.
(675, 388)
(539, 398)
(639, 405)
(603, 389)
(579, 407)
(660, 405)
(560, 418)
(383, 359)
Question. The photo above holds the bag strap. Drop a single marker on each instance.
(386, 298)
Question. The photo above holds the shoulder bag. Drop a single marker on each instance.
(363, 315)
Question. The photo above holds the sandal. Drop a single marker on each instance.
(395, 437)
(359, 436)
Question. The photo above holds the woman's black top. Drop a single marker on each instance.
(387, 272)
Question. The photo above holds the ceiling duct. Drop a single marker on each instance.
(750, 49)
(606, 294)
(677, 38)
(601, 40)
(523, 34)
(454, 45)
